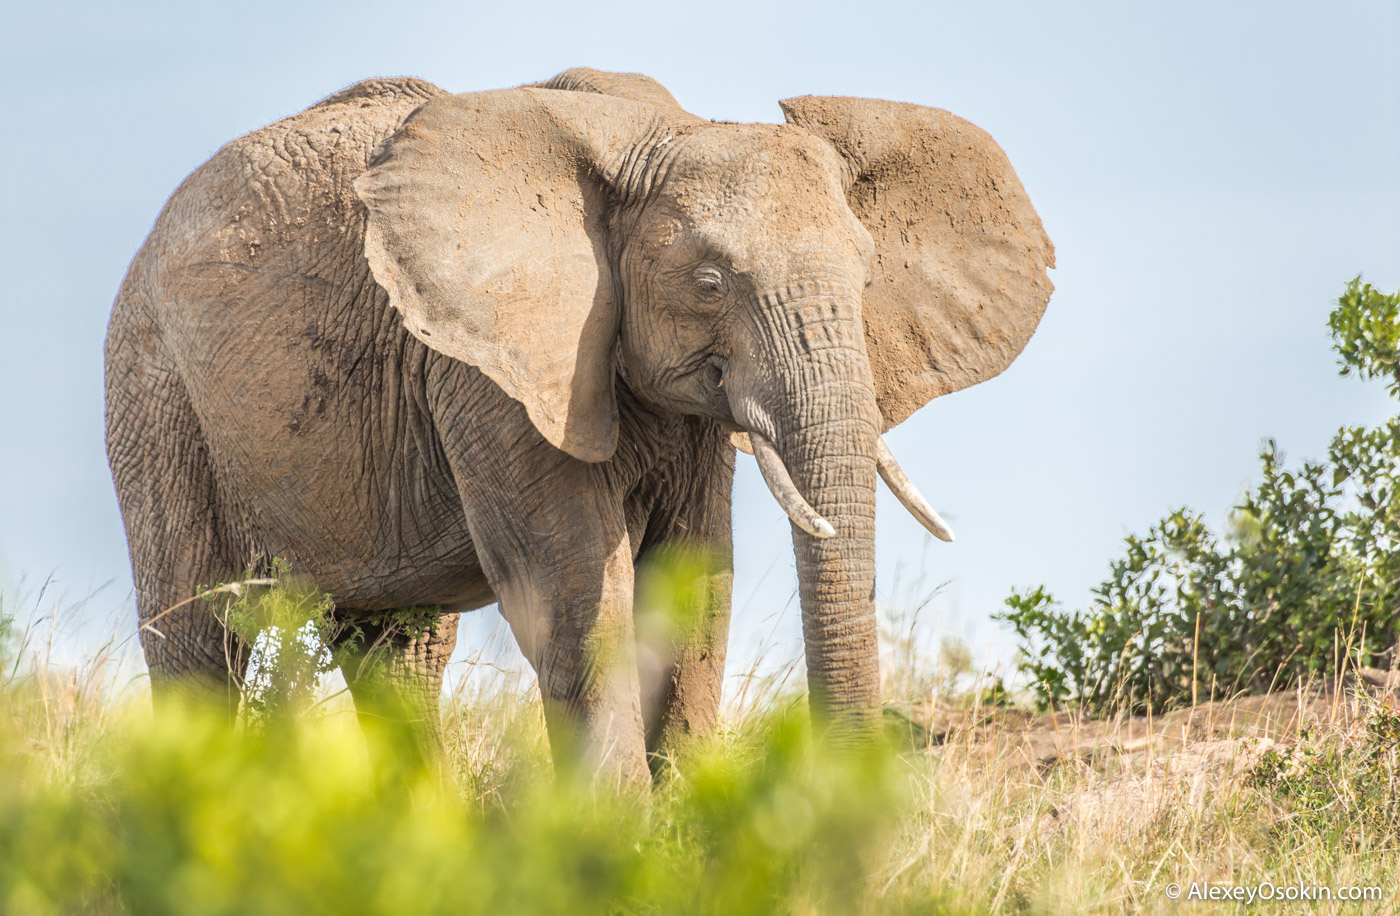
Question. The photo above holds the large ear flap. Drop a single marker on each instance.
(959, 278)
(488, 217)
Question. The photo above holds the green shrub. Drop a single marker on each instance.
(299, 811)
(1335, 789)
(289, 624)
(190, 816)
(1306, 579)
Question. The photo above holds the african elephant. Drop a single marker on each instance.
(448, 350)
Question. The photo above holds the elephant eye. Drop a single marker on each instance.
(709, 279)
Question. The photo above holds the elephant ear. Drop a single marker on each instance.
(959, 280)
(487, 226)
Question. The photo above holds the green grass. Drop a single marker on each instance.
(103, 810)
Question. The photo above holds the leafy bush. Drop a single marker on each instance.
(298, 810)
(1334, 788)
(104, 811)
(289, 625)
(190, 816)
(1305, 580)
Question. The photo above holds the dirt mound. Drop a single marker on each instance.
(1049, 739)
(1133, 771)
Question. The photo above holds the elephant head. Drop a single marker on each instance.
(809, 284)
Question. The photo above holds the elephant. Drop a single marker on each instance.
(447, 350)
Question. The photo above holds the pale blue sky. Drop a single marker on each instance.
(1211, 174)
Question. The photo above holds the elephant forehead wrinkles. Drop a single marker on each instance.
(767, 196)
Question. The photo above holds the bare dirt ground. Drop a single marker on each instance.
(1121, 774)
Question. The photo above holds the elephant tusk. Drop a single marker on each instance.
(775, 474)
(903, 488)
(741, 442)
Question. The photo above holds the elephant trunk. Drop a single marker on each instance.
(832, 458)
(815, 428)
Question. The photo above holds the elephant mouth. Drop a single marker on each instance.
(753, 434)
(779, 481)
(697, 387)
(712, 373)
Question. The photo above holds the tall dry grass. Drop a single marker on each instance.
(973, 807)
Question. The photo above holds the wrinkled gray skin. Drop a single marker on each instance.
(451, 350)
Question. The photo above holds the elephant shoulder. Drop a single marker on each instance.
(272, 216)
(289, 185)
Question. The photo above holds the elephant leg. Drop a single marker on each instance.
(166, 489)
(572, 619)
(551, 536)
(394, 668)
(683, 643)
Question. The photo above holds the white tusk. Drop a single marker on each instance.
(741, 442)
(775, 474)
(903, 488)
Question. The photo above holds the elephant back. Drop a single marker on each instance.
(383, 89)
(272, 219)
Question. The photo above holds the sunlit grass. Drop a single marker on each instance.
(104, 810)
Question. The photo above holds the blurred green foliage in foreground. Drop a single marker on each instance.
(188, 816)
(1305, 581)
(284, 814)
(104, 811)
